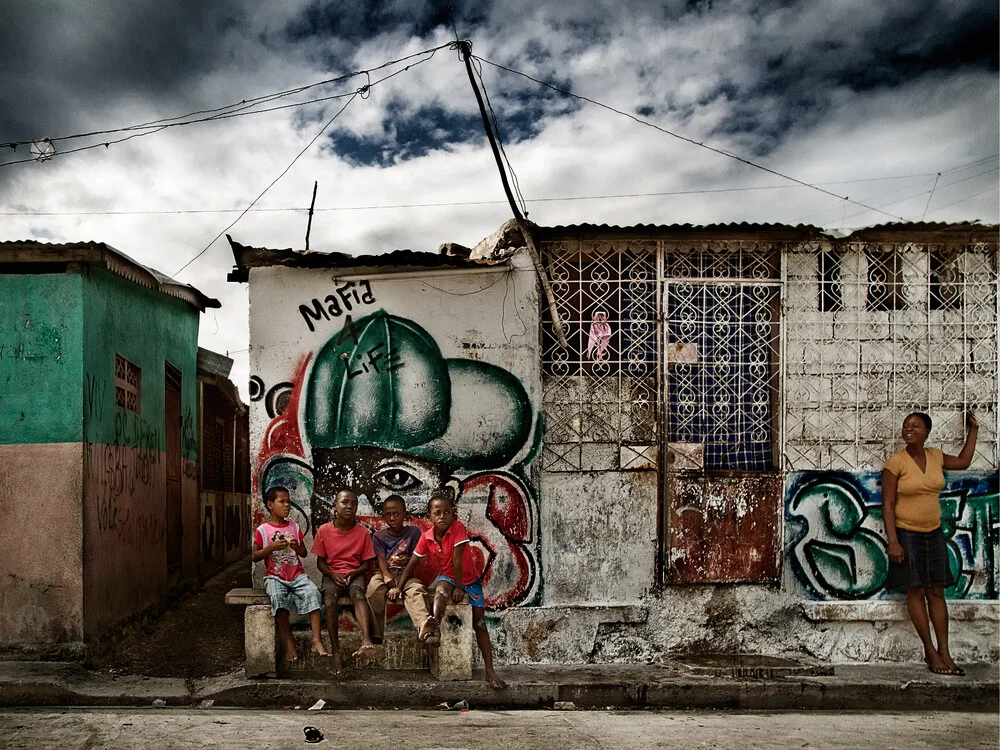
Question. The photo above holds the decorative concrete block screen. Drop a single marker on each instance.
(877, 331)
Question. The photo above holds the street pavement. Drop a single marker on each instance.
(166, 729)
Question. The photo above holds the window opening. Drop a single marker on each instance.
(128, 384)
(885, 280)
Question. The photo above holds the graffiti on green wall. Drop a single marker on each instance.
(836, 546)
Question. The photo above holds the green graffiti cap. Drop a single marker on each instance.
(384, 382)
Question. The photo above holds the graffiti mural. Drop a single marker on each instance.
(835, 541)
(377, 407)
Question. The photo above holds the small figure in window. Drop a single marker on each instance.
(600, 337)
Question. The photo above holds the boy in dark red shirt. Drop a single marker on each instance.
(344, 553)
(446, 546)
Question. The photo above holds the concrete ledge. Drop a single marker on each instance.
(861, 687)
(881, 611)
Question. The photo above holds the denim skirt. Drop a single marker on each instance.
(925, 560)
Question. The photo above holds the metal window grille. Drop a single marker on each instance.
(600, 394)
(724, 394)
(853, 373)
(720, 338)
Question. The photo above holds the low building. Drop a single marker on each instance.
(223, 465)
(695, 470)
(98, 441)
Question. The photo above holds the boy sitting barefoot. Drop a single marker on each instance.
(394, 547)
(279, 542)
(344, 553)
(446, 546)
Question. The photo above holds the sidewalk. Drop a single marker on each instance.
(864, 687)
(174, 660)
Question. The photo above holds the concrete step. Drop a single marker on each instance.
(399, 651)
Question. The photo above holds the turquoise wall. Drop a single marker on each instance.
(41, 358)
(146, 327)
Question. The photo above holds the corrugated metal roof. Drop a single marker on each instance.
(932, 232)
(774, 231)
(17, 254)
(260, 257)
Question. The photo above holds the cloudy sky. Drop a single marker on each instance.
(891, 104)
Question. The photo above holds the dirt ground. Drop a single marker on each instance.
(199, 636)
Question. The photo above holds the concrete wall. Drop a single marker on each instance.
(400, 384)
(41, 595)
(849, 376)
(124, 513)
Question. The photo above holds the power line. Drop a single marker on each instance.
(228, 111)
(446, 204)
(360, 92)
(917, 195)
(701, 144)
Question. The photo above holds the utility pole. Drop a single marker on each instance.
(465, 49)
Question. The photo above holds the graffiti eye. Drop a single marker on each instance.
(397, 479)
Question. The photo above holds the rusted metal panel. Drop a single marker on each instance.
(723, 528)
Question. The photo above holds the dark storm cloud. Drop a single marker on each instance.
(360, 21)
(62, 63)
(408, 133)
(790, 73)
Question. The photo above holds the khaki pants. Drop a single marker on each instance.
(415, 598)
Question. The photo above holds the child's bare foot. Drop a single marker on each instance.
(290, 652)
(338, 664)
(429, 632)
(319, 649)
(367, 651)
(494, 679)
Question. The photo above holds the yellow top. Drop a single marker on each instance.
(918, 505)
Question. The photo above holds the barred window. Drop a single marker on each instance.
(128, 384)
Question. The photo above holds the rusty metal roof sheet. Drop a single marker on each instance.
(260, 257)
(24, 256)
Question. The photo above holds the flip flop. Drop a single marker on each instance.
(946, 670)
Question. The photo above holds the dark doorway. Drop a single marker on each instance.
(172, 430)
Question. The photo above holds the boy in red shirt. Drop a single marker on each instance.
(344, 553)
(280, 542)
(446, 546)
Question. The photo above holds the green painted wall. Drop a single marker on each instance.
(41, 358)
(146, 327)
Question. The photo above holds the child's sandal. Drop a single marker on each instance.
(428, 630)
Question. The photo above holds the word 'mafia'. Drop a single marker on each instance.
(348, 296)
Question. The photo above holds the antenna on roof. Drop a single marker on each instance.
(311, 207)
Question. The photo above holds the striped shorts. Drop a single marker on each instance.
(299, 592)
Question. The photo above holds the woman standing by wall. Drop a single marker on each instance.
(912, 480)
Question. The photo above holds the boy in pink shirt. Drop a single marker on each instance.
(344, 553)
(279, 542)
(446, 546)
